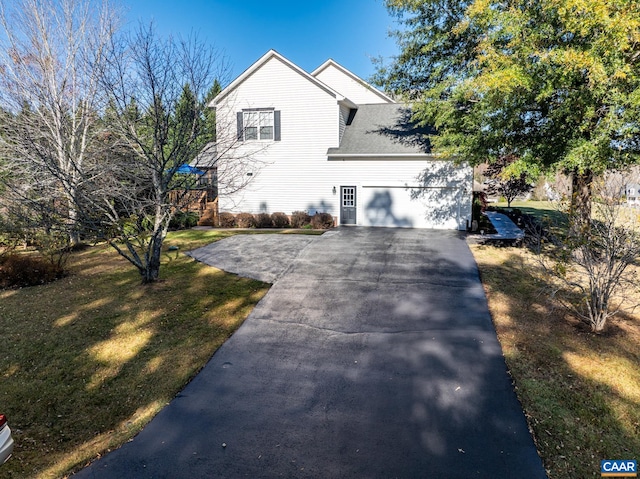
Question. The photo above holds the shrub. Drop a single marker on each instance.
(53, 247)
(263, 220)
(245, 220)
(191, 220)
(177, 222)
(28, 270)
(280, 220)
(480, 204)
(299, 219)
(183, 219)
(227, 220)
(322, 221)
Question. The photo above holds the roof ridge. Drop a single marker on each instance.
(255, 66)
(332, 62)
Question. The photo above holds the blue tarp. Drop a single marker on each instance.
(187, 169)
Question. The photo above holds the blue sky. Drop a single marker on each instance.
(306, 32)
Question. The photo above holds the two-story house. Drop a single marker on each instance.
(327, 141)
(632, 193)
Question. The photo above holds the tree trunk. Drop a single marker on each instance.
(74, 234)
(152, 267)
(580, 209)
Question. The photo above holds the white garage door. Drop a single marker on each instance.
(412, 207)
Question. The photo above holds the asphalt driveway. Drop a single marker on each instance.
(372, 356)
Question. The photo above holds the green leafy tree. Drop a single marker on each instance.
(510, 177)
(553, 82)
(210, 113)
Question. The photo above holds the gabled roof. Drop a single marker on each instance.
(207, 158)
(383, 130)
(264, 59)
(332, 63)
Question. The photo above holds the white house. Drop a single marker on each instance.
(633, 194)
(327, 141)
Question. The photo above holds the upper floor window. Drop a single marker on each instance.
(259, 125)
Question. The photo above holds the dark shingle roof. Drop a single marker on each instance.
(383, 129)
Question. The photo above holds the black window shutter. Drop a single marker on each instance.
(276, 125)
(240, 126)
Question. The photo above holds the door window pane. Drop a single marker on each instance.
(348, 197)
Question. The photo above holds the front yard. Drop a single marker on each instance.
(88, 360)
(580, 391)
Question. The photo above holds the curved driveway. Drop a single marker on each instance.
(372, 356)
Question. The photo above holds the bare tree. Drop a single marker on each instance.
(100, 129)
(51, 52)
(595, 269)
(157, 90)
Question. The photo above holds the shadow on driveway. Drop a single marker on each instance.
(373, 355)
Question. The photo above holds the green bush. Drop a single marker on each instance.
(227, 220)
(280, 220)
(322, 221)
(19, 270)
(184, 220)
(263, 220)
(299, 219)
(245, 220)
(191, 219)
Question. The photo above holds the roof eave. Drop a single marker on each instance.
(355, 77)
(348, 103)
(338, 155)
(258, 64)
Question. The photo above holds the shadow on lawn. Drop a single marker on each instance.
(400, 385)
(579, 389)
(88, 360)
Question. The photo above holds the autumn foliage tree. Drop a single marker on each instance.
(553, 82)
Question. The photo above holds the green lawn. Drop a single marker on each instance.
(546, 211)
(88, 360)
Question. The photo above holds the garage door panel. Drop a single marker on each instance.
(411, 207)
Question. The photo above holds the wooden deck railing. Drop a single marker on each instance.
(203, 202)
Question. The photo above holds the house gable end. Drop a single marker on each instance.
(349, 84)
(267, 57)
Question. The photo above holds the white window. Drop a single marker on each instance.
(258, 125)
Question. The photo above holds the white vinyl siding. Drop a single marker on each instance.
(357, 92)
(285, 174)
(295, 173)
(342, 119)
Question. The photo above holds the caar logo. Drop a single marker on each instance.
(618, 468)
